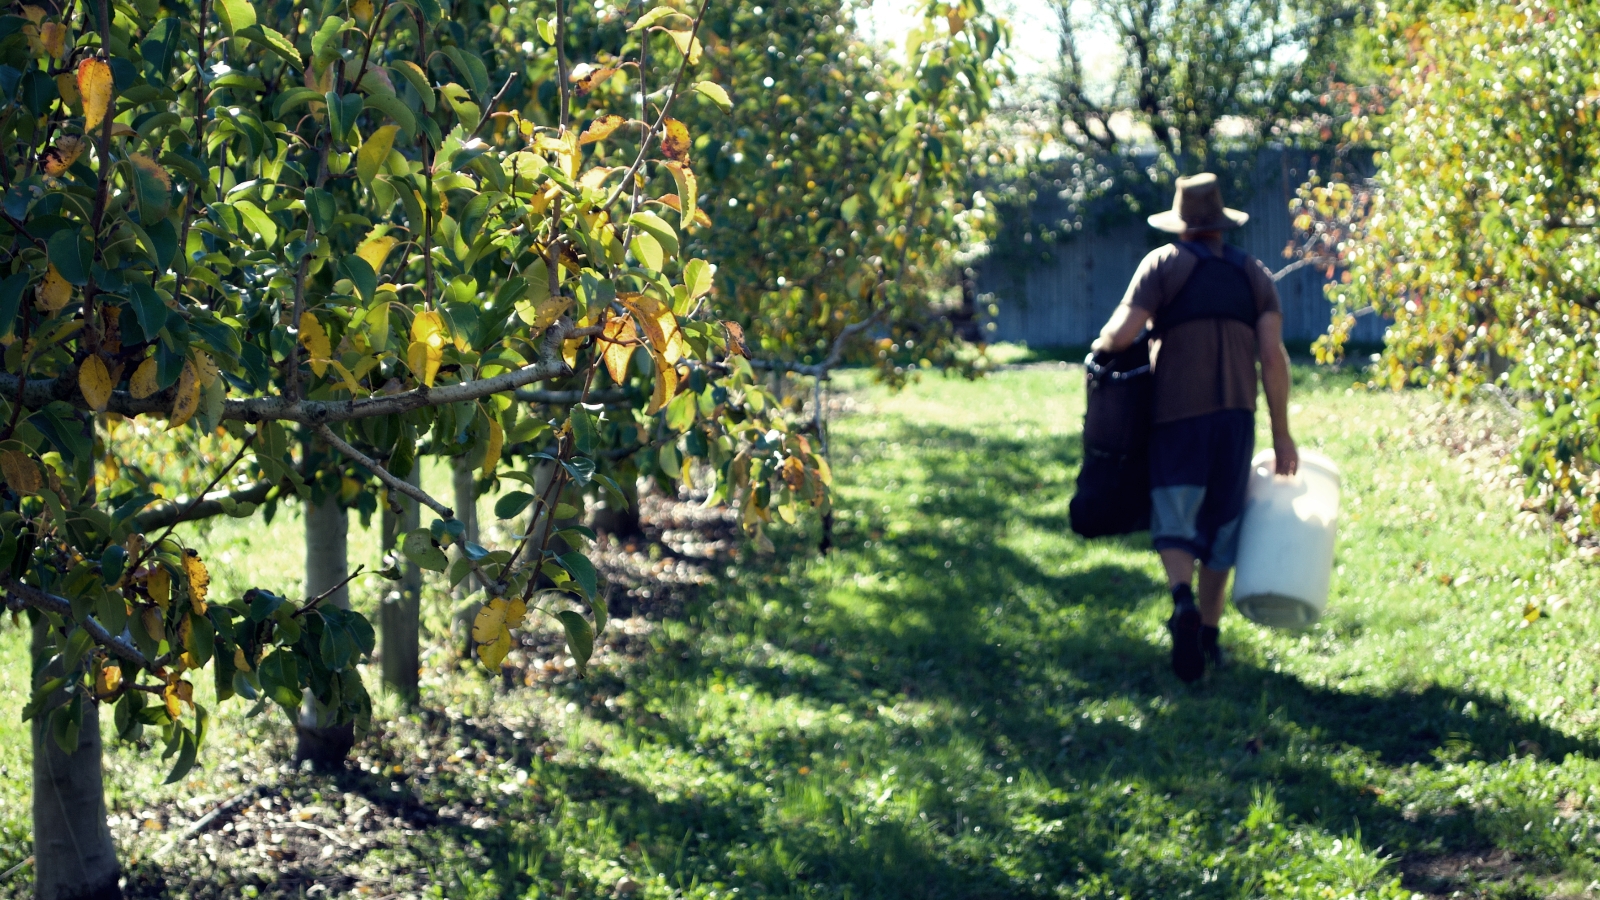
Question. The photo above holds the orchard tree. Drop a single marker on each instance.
(1478, 235)
(316, 226)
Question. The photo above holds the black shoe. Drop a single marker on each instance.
(1210, 648)
(1188, 659)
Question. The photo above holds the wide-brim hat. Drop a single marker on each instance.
(1197, 206)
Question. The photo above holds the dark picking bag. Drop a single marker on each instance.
(1113, 490)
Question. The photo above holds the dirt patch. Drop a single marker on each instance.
(1490, 873)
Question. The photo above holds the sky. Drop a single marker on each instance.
(1034, 41)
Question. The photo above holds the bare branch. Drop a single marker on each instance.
(1299, 264)
(21, 596)
(206, 507)
(371, 465)
(37, 393)
(835, 355)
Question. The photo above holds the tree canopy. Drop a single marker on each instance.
(1477, 236)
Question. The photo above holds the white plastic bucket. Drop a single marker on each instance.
(1286, 542)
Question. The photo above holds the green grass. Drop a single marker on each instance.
(966, 700)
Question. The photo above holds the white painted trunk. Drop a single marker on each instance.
(327, 564)
(74, 858)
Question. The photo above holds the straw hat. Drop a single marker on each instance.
(1197, 206)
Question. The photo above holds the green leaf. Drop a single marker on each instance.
(716, 93)
(236, 15)
(395, 109)
(264, 226)
(584, 434)
(471, 69)
(602, 614)
(274, 41)
(657, 228)
(187, 749)
(511, 504)
(374, 153)
(580, 638)
(697, 277)
(547, 31)
(652, 17)
(150, 310)
(111, 563)
(11, 301)
(65, 723)
(583, 572)
(321, 209)
(647, 250)
(419, 547)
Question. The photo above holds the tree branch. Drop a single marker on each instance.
(21, 596)
(38, 393)
(371, 465)
(208, 506)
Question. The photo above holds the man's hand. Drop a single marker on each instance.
(1288, 455)
(1102, 344)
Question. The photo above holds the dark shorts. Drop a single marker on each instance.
(1199, 471)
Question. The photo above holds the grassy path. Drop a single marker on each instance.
(965, 700)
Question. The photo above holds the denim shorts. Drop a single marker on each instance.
(1199, 472)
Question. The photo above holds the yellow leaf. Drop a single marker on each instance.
(516, 611)
(159, 587)
(54, 292)
(240, 661)
(688, 45)
(95, 383)
(316, 341)
(143, 383)
(569, 351)
(600, 129)
(428, 327)
(94, 83)
(67, 87)
(493, 654)
(675, 140)
(199, 580)
(362, 9)
(187, 399)
(658, 322)
(375, 249)
(34, 14)
(490, 621)
(151, 168)
(58, 159)
(373, 154)
(424, 360)
(20, 472)
(547, 312)
(151, 618)
(617, 354)
(177, 691)
(107, 680)
(688, 190)
(206, 368)
(666, 386)
(350, 382)
(491, 453)
(189, 657)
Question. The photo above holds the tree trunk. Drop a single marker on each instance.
(327, 564)
(466, 509)
(399, 618)
(73, 856)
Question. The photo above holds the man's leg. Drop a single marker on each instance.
(1179, 564)
(1213, 585)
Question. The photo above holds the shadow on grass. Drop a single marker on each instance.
(1052, 675)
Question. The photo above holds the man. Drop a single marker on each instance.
(1212, 310)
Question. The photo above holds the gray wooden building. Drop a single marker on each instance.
(1063, 301)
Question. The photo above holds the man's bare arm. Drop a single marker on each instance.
(1121, 330)
(1275, 381)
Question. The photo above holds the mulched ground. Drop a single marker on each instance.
(271, 828)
